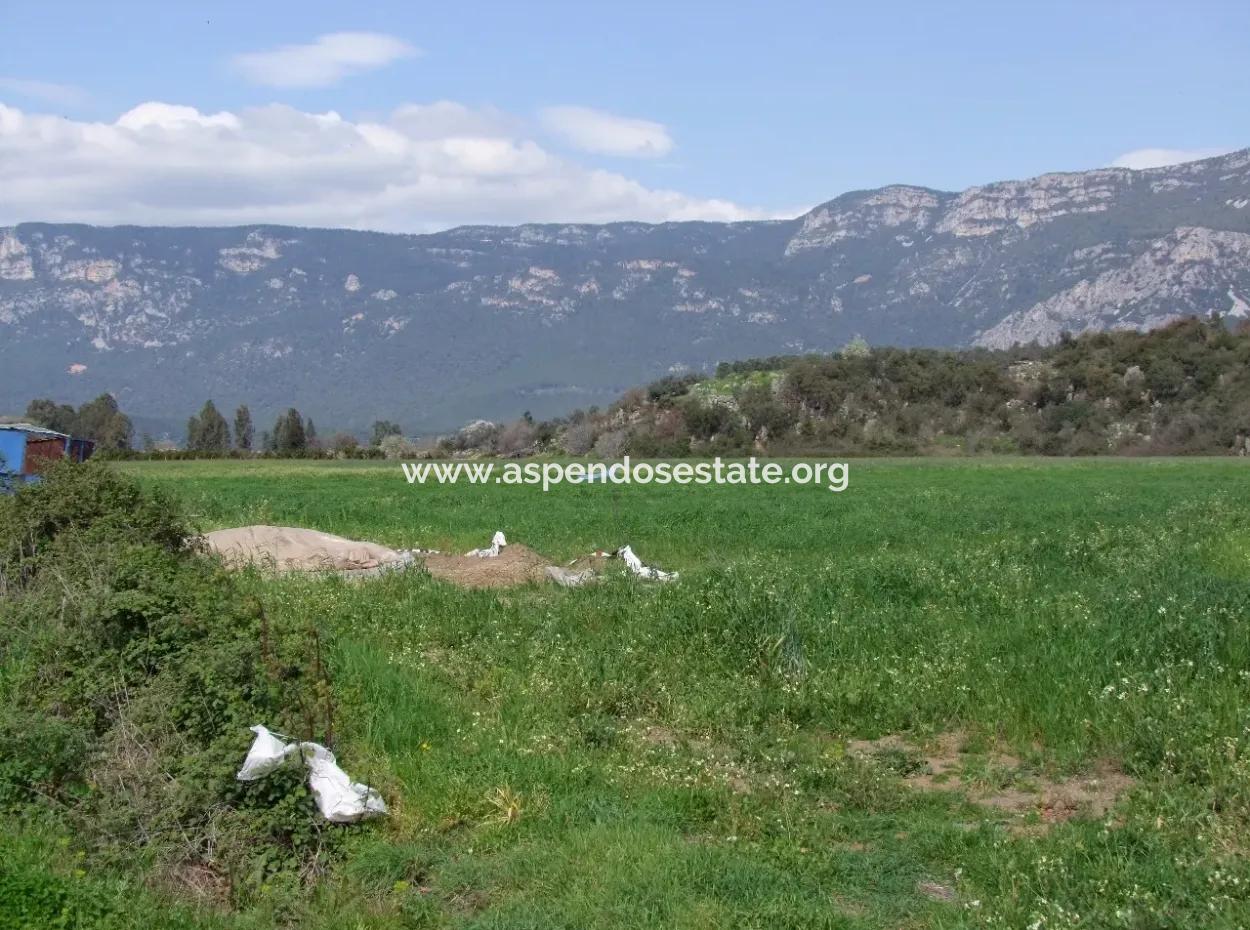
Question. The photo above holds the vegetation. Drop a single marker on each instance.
(1181, 390)
(130, 670)
(244, 432)
(683, 755)
(289, 436)
(208, 431)
(382, 429)
(100, 420)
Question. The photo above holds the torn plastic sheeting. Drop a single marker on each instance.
(643, 571)
(568, 578)
(339, 799)
(497, 542)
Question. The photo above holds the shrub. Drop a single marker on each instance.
(579, 438)
(516, 437)
(132, 667)
(611, 444)
(397, 447)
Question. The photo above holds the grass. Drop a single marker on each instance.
(634, 755)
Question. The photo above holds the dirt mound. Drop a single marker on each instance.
(291, 549)
(516, 564)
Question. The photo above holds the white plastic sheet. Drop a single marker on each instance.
(339, 799)
(568, 578)
(634, 564)
(497, 542)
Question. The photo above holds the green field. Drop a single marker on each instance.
(686, 755)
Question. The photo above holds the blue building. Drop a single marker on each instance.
(26, 449)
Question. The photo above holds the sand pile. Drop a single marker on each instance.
(290, 549)
(501, 565)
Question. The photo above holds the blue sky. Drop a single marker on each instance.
(587, 111)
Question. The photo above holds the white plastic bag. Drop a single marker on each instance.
(643, 571)
(339, 799)
(497, 542)
(266, 755)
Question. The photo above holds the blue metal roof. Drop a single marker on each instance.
(33, 430)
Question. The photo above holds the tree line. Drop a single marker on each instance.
(1182, 389)
(292, 434)
(208, 433)
(100, 420)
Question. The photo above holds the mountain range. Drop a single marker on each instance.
(431, 330)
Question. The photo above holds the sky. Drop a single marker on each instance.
(417, 116)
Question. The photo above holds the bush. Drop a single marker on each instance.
(397, 447)
(579, 438)
(132, 667)
(671, 387)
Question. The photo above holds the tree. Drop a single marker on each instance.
(765, 411)
(51, 415)
(102, 421)
(310, 435)
(99, 420)
(288, 433)
(344, 443)
(515, 437)
(382, 429)
(243, 430)
(208, 431)
(397, 447)
(856, 348)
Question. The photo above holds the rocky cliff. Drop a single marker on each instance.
(433, 329)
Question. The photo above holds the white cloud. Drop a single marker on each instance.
(322, 62)
(606, 133)
(60, 94)
(1140, 159)
(423, 167)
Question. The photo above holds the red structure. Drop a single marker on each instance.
(26, 449)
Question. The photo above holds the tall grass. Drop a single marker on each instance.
(676, 755)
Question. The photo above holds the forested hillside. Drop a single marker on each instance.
(1183, 389)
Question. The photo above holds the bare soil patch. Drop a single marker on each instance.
(997, 779)
(516, 564)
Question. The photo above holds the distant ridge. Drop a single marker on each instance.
(431, 330)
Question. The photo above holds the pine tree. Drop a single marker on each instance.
(243, 431)
(310, 434)
(288, 433)
(208, 430)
